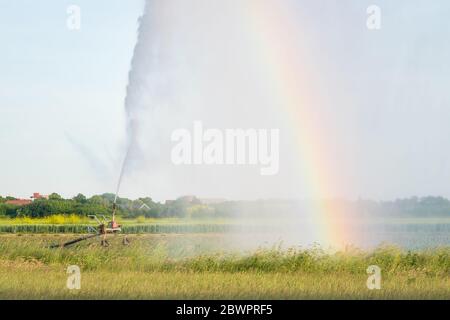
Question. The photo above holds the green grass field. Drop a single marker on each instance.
(205, 266)
(59, 224)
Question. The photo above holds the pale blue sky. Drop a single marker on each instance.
(61, 90)
(61, 94)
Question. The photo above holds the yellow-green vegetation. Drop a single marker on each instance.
(60, 219)
(53, 219)
(206, 266)
(79, 224)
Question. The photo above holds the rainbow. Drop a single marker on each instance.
(269, 27)
(272, 25)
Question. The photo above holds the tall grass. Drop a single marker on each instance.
(160, 267)
(147, 253)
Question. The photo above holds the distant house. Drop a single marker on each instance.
(24, 202)
(144, 207)
(19, 202)
(37, 195)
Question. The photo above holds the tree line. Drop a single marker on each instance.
(102, 205)
(193, 207)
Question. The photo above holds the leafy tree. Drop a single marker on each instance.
(109, 198)
(200, 211)
(93, 209)
(38, 208)
(8, 210)
(54, 196)
(80, 198)
(98, 200)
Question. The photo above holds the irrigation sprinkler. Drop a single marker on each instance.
(103, 228)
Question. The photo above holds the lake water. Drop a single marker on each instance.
(406, 234)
